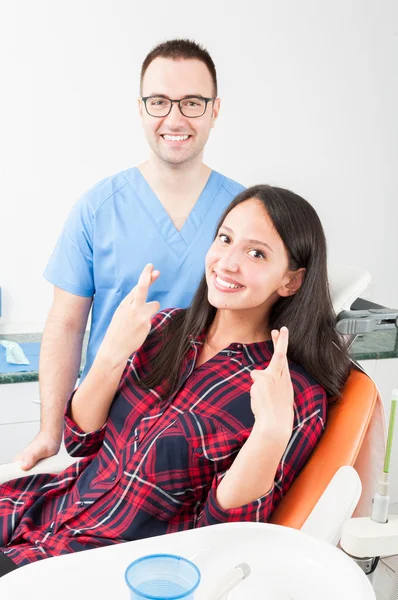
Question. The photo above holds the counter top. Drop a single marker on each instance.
(26, 338)
(376, 345)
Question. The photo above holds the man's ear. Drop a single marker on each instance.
(140, 105)
(293, 284)
(216, 110)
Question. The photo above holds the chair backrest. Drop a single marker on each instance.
(347, 424)
(346, 283)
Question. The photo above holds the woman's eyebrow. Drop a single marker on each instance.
(256, 242)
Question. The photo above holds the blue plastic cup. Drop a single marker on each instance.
(162, 577)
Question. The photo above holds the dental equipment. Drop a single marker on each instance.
(382, 499)
(354, 314)
(364, 321)
(366, 539)
(231, 579)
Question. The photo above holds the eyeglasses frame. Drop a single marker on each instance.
(207, 100)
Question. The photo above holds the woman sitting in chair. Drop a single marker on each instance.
(199, 416)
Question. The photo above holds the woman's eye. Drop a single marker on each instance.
(256, 254)
(224, 238)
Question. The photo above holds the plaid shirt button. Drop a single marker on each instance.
(199, 450)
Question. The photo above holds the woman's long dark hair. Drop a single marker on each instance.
(313, 340)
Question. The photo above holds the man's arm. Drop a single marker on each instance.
(60, 357)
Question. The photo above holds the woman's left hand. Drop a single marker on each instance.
(272, 396)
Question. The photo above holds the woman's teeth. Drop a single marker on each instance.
(226, 284)
(175, 138)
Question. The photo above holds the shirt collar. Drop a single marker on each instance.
(254, 353)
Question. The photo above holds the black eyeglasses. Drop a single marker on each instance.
(192, 107)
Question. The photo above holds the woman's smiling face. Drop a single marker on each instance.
(247, 266)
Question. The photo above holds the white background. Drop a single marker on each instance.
(309, 95)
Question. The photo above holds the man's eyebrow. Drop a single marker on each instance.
(256, 242)
(182, 98)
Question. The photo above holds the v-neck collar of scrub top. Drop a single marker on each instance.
(178, 241)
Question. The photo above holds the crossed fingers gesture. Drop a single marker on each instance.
(272, 396)
(131, 321)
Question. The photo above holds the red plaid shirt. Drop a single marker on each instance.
(154, 467)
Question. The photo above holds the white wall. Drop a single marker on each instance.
(309, 101)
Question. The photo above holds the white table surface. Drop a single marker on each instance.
(280, 559)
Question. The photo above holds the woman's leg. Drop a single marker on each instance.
(6, 564)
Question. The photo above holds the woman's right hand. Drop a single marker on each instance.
(131, 321)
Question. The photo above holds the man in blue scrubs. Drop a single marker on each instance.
(163, 211)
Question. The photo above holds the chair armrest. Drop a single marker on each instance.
(336, 504)
(54, 464)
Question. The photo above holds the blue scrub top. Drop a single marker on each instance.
(118, 227)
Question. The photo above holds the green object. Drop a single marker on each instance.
(390, 435)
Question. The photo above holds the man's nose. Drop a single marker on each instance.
(174, 118)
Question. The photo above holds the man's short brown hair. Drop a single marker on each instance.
(181, 49)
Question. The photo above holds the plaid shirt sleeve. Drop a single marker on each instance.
(304, 438)
(78, 442)
(259, 510)
(81, 443)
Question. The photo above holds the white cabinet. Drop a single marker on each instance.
(19, 417)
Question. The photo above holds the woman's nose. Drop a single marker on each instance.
(229, 260)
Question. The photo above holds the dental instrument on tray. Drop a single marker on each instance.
(231, 579)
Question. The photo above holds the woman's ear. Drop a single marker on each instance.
(294, 282)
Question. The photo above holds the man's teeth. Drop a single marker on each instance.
(175, 138)
(226, 284)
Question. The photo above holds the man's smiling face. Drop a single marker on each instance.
(176, 139)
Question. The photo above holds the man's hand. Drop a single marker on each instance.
(42, 446)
